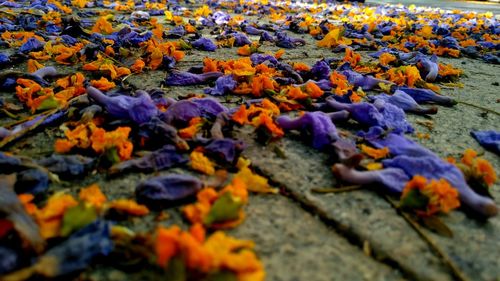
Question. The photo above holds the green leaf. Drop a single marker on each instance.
(414, 200)
(48, 103)
(112, 155)
(225, 208)
(176, 270)
(76, 218)
(436, 224)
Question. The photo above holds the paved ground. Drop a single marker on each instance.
(477, 6)
(358, 235)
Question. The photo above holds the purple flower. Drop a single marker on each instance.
(317, 124)
(176, 32)
(367, 82)
(433, 167)
(67, 166)
(220, 18)
(285, 41)
(266, 36)
(80, 249)
(165, 191)
(32, 181)
(161, 159)
(397, 144)
(250, 30)
(9, 260)
(430, 66)
(223, 85)
(204, 44)
(391, 178)
(181, 78)
(31, 45)
(157, 133)
(261, 58)
(427, 96)
(488, 139)
(227, 150)
(183, 111)
(321, 70)
(139, 109)
(240, 39)
(405, 102)
(4, 59)
(380, 114)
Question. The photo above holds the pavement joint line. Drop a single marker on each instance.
(442, 255)
(351, 237)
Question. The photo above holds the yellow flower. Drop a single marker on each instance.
(201, 163)
(93, 196)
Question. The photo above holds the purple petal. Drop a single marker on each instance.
(162, 159)
(319, 125)
(427, 96)
(204, 44)
(391, 178)
(81, 248)
(165, 191)
(223, 85)
(226, 149)
(138, 109)
(405, 102)
(488, 139)
(180, 78)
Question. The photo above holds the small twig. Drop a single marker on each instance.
(337, 189)
(478, 107)
(444, 257)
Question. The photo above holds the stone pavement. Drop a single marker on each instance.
(356, 235)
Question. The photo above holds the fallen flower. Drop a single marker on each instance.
(488, 139)
(317, 124)
(179, 78)
(139, 109)
(164, 191)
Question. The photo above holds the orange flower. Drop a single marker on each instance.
(241, 67)
(299, 66)
(469, 156)
(49, 218)
(156, 58)
(279, 54)
(313, 90)
(268, 123)
(26, 199)
(296, 93)
(93, 196)
(103, 84)
(340, 82)
(129, 207)
(102, 141)
(351, 57)
(34, 65)
(442, 197)
(375, 153)
(244, 50)
(88, 135)
(103, 26)
(138, 66)
(260, 83)
(484, 168)
(241, 116)
(201, 163)
(195, 125)
(386, 58)
(209, 65)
